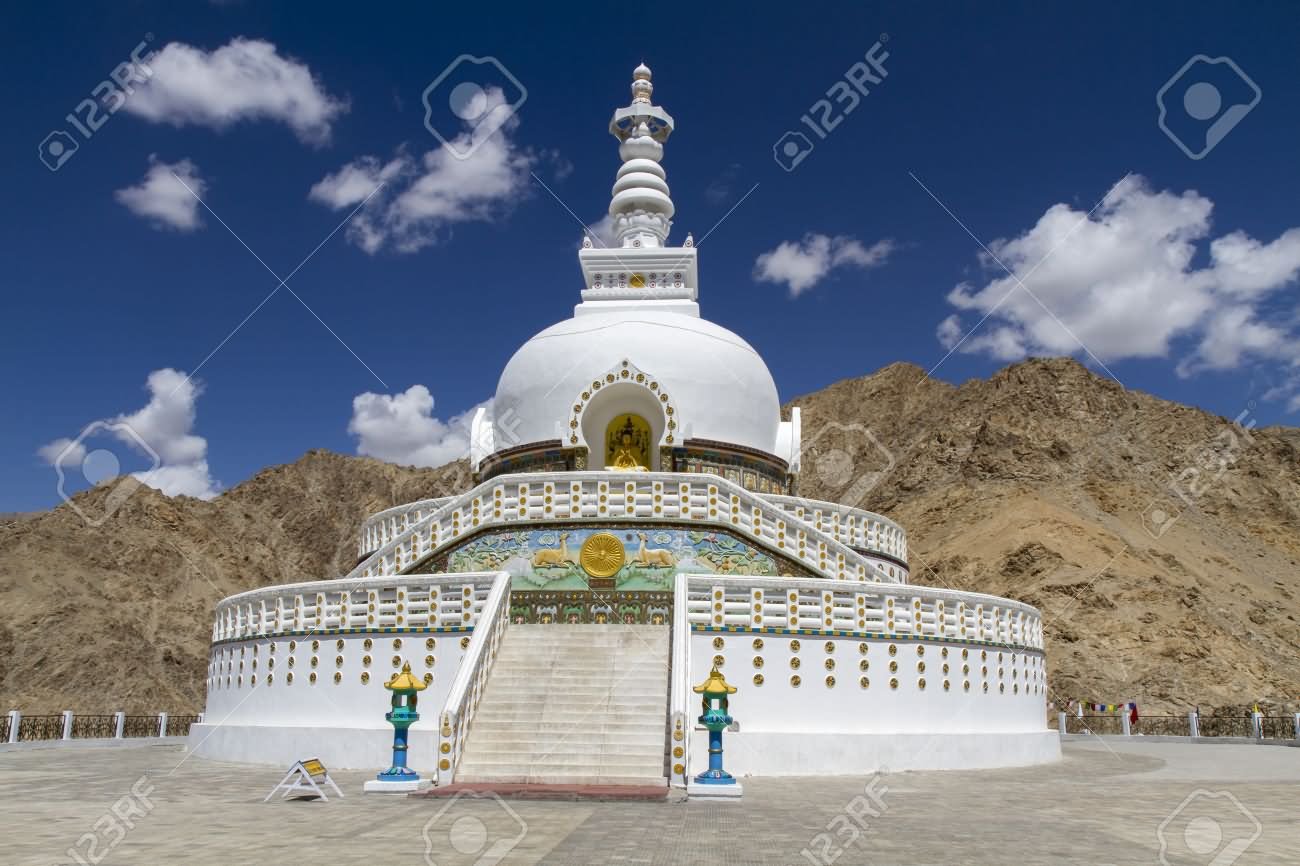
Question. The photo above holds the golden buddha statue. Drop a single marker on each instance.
(625, 458)
(627, 449)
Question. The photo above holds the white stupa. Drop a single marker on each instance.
(634, 523)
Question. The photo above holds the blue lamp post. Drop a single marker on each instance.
(399, 777)
(715, 690)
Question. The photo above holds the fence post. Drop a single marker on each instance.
(1257, 725)
(1060, 722)
(119, 724)
(1125, 723)
(1295, 722)
(1194, 724)
(162, 724)
(67, 724)
(15, 721)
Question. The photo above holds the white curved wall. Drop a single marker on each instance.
(721, 386)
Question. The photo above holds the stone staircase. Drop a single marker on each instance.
(573, 705)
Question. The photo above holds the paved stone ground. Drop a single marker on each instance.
(1104, 804)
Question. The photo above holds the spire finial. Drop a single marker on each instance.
(641, 209)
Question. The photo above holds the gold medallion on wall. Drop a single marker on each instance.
(602, 555)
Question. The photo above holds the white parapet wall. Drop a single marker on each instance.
(301, 668)
(833, 677)
(884, 677)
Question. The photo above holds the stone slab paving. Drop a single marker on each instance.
(1105, 803)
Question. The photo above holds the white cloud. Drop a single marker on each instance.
(602, 232)
(165, 425)
(421, 197)
(803, 264)
(162, 199)
(62, 452)
(247, 79)
(400, 428)
(1127, 282)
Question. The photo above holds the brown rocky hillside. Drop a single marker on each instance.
(1030, 484)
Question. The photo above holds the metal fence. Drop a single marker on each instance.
(91, 726)
(88, 727)
(179, 726)
(1245, 726)
(1093, 725)
(140, 726)
(1226, 726)
(40, 728)
(1163, 726)
(1278, 728)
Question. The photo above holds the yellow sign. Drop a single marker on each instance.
(602, 555)
(314, 767)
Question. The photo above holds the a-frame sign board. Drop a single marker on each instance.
(305, 778)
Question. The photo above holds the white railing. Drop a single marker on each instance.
(852, 526)
(893, 610)
(471, 678)
(612, 496)
(379, 529)
(680, 721)
(412, 601)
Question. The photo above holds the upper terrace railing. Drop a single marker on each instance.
(381, 528)
(852, 526)
(610, 496)
(405, 601)
(894, 610)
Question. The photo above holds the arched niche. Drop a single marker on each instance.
(624, 390)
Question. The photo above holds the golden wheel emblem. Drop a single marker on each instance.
(602, 555)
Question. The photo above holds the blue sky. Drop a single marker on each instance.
(985, 121)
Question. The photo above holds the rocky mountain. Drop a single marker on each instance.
(1162, 543)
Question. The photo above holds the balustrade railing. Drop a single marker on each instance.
(381, 528)
(679, 693)
(606, 496)
(408, 601)
(471, 678)
(895, 610)
(852, 526)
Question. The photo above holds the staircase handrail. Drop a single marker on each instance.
(471, 678)
(679, 719)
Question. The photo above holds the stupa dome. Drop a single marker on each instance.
(718, 386)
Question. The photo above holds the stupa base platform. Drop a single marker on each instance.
(543, 791)
(700, 791)
(412, 786)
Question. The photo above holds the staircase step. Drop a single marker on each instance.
(546, 727)
(584, 705)
(657, 780)
(520, 743)
(580, 701)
